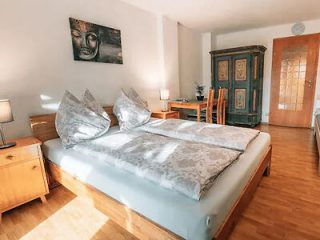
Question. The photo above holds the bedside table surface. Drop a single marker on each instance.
(160, 112)
(21, 142)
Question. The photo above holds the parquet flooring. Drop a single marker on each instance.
(286, 204)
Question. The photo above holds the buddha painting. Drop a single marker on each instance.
(95, 43)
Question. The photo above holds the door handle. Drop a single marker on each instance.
(309, 83)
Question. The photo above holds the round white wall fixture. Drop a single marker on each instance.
(298, 29)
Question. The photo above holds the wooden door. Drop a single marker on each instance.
(294, 74)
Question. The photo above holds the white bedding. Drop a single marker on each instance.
(186, 217)
(186, 166)
(236, 138)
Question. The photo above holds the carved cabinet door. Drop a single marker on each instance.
(241, 83)
(223, 76)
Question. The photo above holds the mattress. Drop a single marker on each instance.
(186, 217)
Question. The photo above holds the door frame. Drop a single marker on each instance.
(314, 73)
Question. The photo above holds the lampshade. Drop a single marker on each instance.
(5, 111)
(164, 94)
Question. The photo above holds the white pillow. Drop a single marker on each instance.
(78, 121)
(130, 114)
(90, 102)
(134, 96)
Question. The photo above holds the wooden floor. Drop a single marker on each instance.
(286, 205)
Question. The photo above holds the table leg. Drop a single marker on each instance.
(199, 114)
(43, 199)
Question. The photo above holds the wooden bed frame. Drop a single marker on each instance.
(43, 127)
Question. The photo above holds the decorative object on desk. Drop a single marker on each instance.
(181, 100)
(164, 97)
(5, 117)
(199, 91)
(95, 43)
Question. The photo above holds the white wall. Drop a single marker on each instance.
(170, 55)
(36, 60)
(206, 60)
(190, 60)
(265, 36)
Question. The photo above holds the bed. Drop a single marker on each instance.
(145, 209)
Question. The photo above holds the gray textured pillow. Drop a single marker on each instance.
(129, 113)
(90, 102)
(78, 121)
(133, 95)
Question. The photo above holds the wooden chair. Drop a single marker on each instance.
(206, 114)
(209, 109)
(220, 110)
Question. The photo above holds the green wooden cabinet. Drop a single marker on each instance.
(240, 70)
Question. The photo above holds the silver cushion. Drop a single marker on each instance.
(130, 114)
(78, 121)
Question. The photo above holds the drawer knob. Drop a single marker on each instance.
(9, 157)
(34, 167)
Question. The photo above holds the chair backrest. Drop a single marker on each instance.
(209, 106)
(220, 106)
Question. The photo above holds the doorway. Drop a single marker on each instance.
(294, 74)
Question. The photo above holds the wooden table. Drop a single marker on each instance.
(192, 104)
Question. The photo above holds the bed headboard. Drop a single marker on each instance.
(43, 126)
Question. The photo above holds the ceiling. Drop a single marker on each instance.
(232, 15)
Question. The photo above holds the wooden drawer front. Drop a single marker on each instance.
(173, 115)
(19, 154)
(20, 183)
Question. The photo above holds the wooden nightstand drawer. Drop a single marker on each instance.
(19, 154)
(173, 114)
(166, 115)
(21, 183)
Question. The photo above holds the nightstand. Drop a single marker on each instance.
(166, 115)
(22, 174)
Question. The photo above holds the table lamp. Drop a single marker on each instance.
(164, 97)
(5, 117)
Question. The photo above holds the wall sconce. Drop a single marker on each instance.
(164, 97)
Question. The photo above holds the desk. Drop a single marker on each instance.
(193, 104)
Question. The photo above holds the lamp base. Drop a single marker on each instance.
(7, 145)
(164, 106)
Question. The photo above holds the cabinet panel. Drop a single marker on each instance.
(20, 183)
(240, 98)
(241, 83)
(223, 70)
(241, 69)
(220, 80)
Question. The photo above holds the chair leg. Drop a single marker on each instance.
(224, 113)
